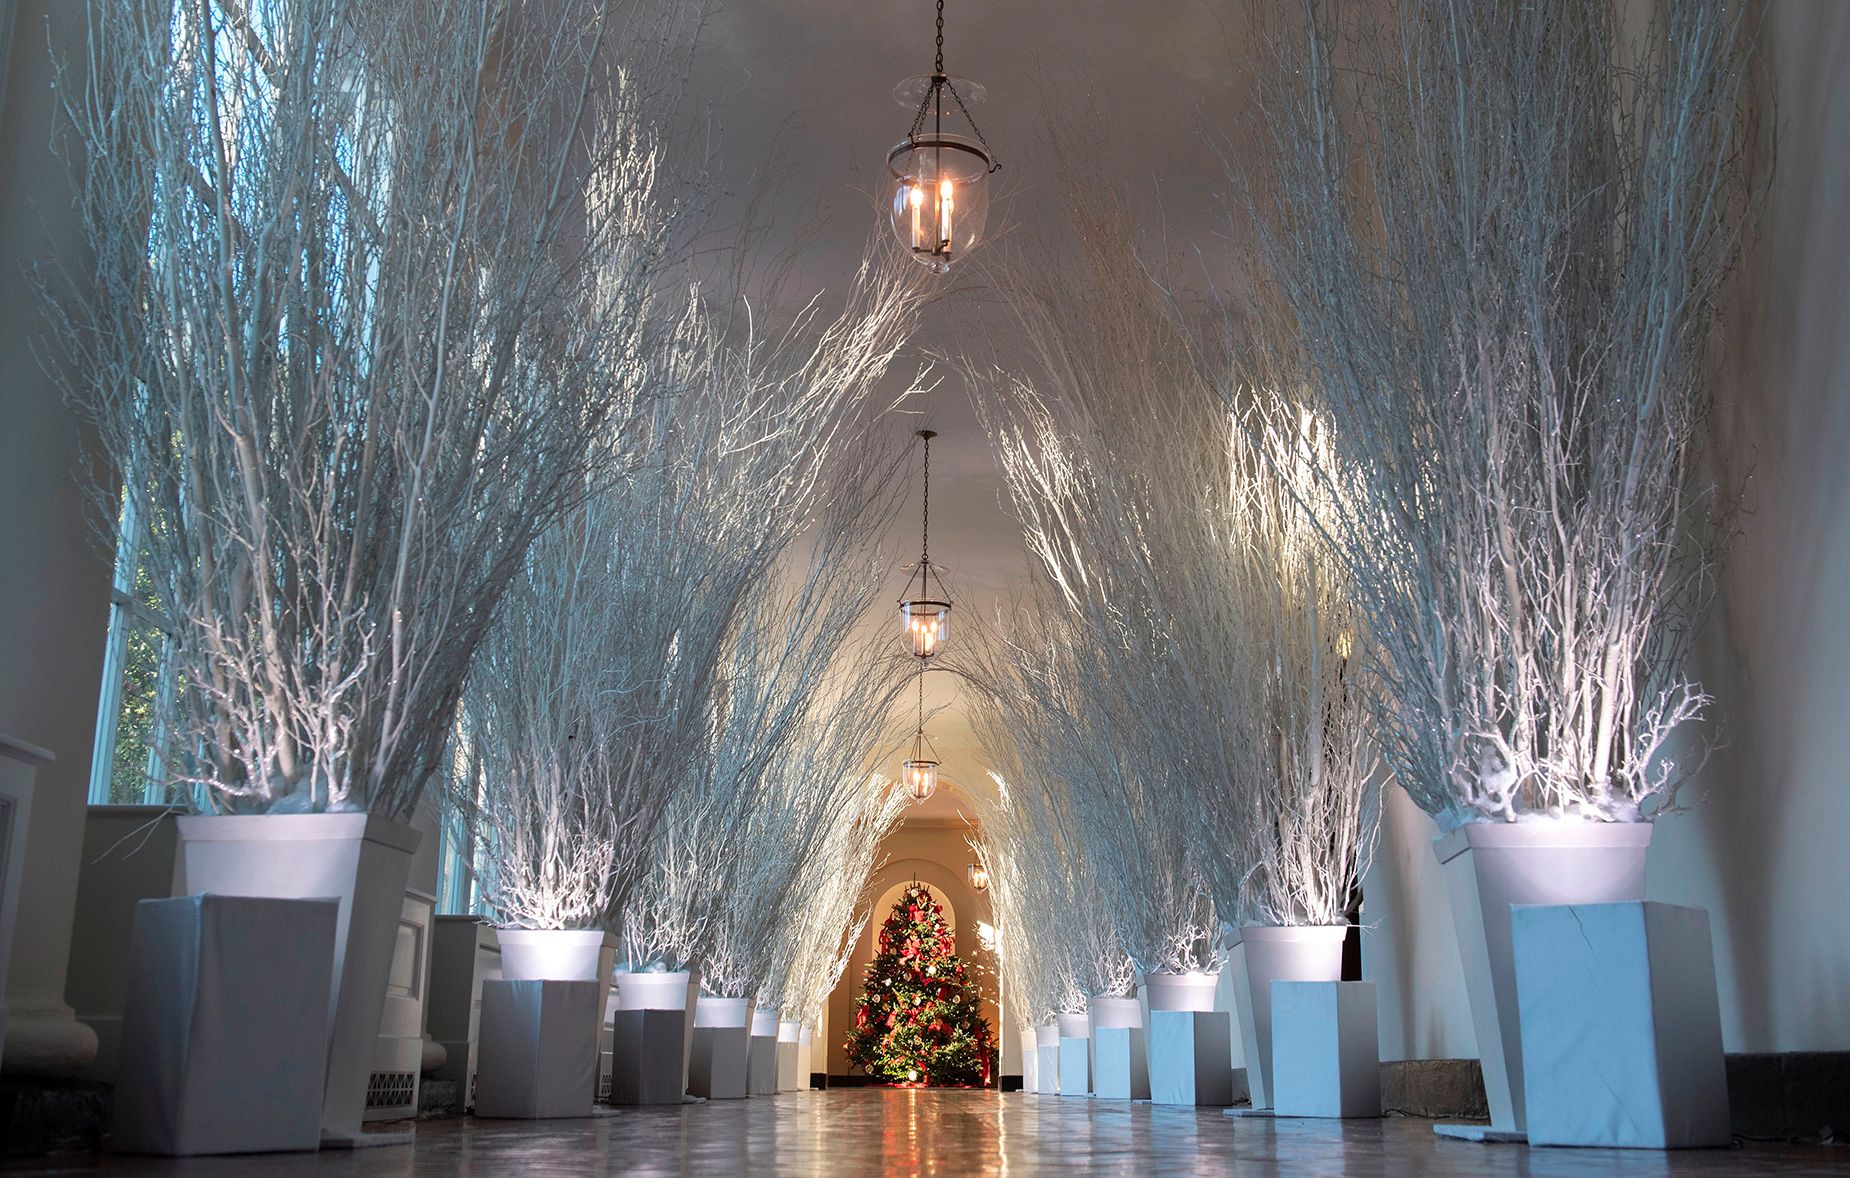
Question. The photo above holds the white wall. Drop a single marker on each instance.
(54, 575)
(1767, 851)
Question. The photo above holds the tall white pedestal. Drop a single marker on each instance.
(536, 1059)
(1047, 1056)
(224, 1043)
(1075, 1066)
(788, 1042)
(649, 1058)
(1621, 1027)
(1191, 1057)
(1120, 1064)
(720, 1063)
(1326, 1050)
(761, 1068)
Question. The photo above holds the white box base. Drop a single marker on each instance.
(1048, 1068)
(787, 1065)
(1120, 1064)
(225, 1028)
(1621, 1026)
(1191, 1057)
(720, 1065)
(1075, 1066)
(761, 1066)
(1326, 1050)
(535, 1059)
(649, 1064)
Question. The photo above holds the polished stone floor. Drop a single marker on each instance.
(876, 1131)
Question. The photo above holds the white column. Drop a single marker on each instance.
(54, 578)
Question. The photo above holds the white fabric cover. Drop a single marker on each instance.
(1191, 1057)
(225, 1030)
(538, 1057)
(1326, 1050)
(1621, 1027)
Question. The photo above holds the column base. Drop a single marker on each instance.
(46, 1043)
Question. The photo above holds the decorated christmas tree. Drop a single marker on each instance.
(918, 1019)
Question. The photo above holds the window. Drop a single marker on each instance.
(129, 763)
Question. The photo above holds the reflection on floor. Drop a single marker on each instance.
(876, 1131)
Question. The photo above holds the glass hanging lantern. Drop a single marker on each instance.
(978, 875)
(940, 178)
(921, 768)
(924, 615)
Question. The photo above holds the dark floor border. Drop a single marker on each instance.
(1798, 1096)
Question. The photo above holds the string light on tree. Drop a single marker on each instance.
(940, 178)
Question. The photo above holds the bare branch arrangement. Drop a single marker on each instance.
(800, 708)
(1201, 615)
(1072, 725)
(613, 716)
(831, 906)
(1059, 944)
(368, 285)
(1494, 235)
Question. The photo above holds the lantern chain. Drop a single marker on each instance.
(940, 68)
(925, 531)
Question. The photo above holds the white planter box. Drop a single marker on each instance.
(464, 953)
(1268, 954)
(723, 1012)
(1326, 1049)
(650, 1058)
(1191, 1057)
(1490, 866)
(1175, 991)
(1047, 1054)
(1621, 1026)
(360, 860)
(720, 1066)
(674, 991)
(1120, 1064)
(19, 766)
(536, 1058)
(789, 1033)
(570, 955)
(224, 1045)
(761, 1067)
(1030, 1061)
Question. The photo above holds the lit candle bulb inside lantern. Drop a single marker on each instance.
(945, 205)
(915, 196)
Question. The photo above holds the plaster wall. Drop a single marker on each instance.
(1764, 848)
(54, 577)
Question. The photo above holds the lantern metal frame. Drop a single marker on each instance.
(923, 604)
(921, 789)
(937, 141)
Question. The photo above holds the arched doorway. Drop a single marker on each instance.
(934, 851)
